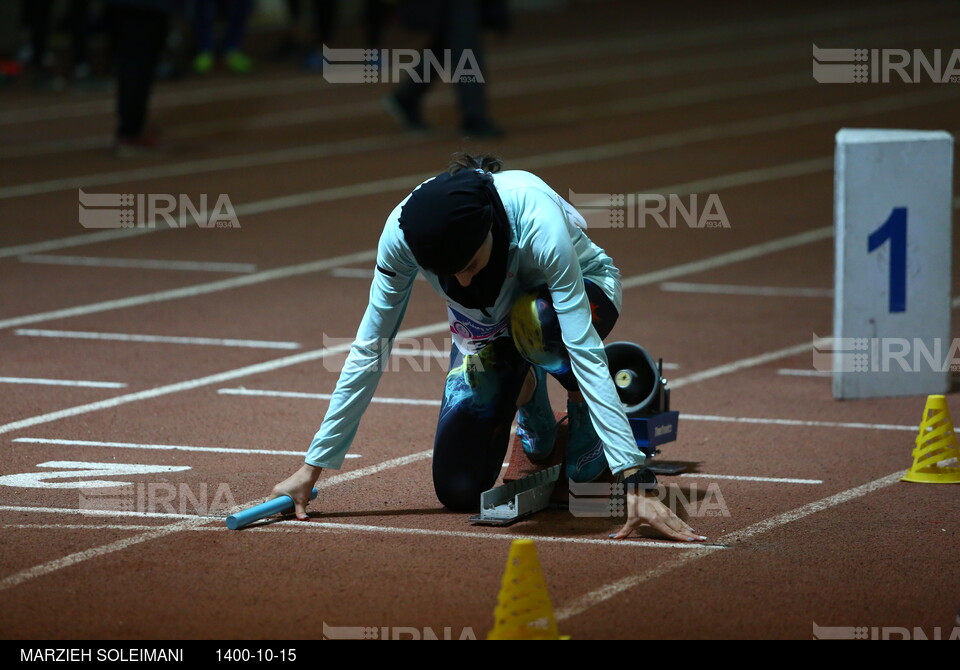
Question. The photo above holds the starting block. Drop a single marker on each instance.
(532, 486)
(502, 505)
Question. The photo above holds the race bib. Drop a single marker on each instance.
(471, 336)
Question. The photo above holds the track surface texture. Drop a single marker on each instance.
(596, 98)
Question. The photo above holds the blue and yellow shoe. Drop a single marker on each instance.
(536, 423)
(585, 458)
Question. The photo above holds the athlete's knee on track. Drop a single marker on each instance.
(460, 494)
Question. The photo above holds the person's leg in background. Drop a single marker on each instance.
(289, 42)
(37, 17)
(464, 35)
(238, 14)
(405, 104)
(139, 37)
(78, 19)
(324, 21)
(205, 17)
(374, 18)
(473, 432)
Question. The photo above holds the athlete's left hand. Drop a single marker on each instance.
(645, 507)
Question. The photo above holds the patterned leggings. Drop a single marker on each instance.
(479, 405)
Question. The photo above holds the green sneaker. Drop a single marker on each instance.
(239, 62)
(203, 63)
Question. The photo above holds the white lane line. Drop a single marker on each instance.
(62, 382)
(256, 207)
(744, 128)
(734, 289)
(139, 263)
(790, 372)
(77, 526)
(200, 382)
(70, 511)
(296, 527)
(751, 177)
(350, 475)
(749, 362)
(95, 552)
(322, 396)
(613, 589)
(749, 478)
(161, 339)
(810, 508)
(208, 165)
(74, 241)
(684, 416)
(624, 147)
(718, 35)
(739, 255)
(697, 95)
(191, 291)
(360, 273)
(797, 422)
(291, 526)
(160, 447)
(165, 98)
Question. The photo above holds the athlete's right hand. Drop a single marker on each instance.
(298, 487)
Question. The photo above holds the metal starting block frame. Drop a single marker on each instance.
(503, 505)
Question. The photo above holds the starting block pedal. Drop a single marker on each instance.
(503, 505)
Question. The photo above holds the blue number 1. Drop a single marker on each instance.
(895, 230)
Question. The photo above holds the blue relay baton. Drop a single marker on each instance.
(279, 505)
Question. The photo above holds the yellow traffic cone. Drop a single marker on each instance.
(523, 609)
(936, 444)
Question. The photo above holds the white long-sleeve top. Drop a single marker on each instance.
(547, 246)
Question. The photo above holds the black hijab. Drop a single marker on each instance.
(446, 221)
